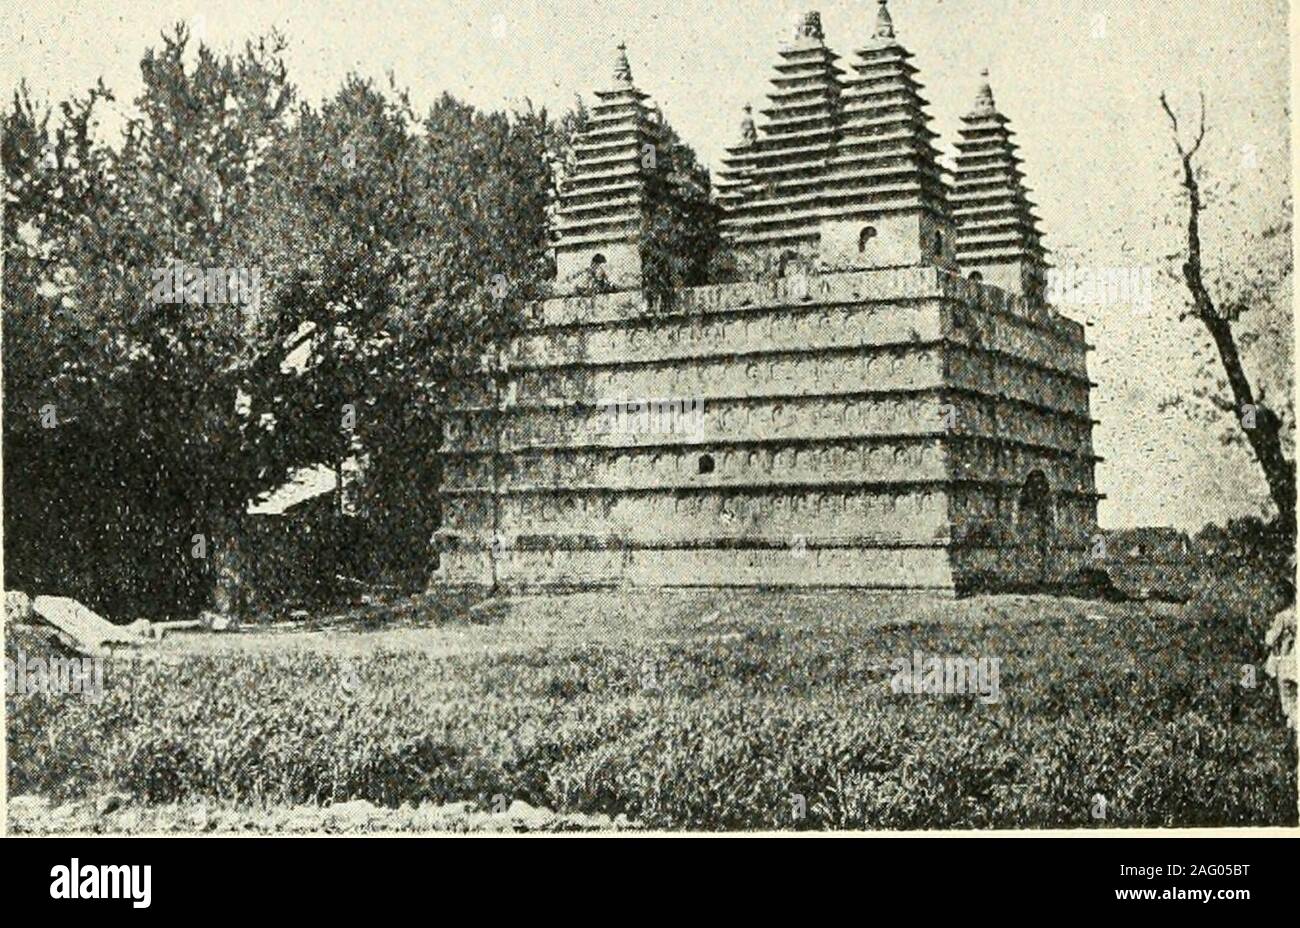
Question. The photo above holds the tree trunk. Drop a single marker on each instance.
(1261, 426)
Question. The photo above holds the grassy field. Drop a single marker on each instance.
(718, 710)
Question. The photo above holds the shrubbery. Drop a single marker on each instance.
(1245, 571)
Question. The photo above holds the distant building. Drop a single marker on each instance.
(303, 485)
(1150, 545)
(883, 399)
(1151, 563)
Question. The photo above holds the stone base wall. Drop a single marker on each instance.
(989, 570)
(870, 568)
(868, 429)
(955, 571)
(770, 517)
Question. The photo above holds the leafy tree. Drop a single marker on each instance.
(394, 260)
(62, 336)
(334, 226)
(478, 256)
(682, 226)
(152, 455)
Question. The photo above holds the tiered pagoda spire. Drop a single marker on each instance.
(771, 183)
(844, 166)
(735, 181)
(603, 200)
(886, 161)
(997, 230)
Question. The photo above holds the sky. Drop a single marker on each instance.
(1079, 79)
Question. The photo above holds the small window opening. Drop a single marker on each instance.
(706, 465)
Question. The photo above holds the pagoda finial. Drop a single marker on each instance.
(810, 26)
(984, 105)
(748, 132)
(622, 69)
(884, 22)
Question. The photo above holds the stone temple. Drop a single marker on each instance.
(881, 398)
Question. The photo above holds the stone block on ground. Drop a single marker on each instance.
(81, 628)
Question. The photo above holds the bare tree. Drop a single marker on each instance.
(1261, 426)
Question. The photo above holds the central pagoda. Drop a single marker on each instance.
(772, 188)
(844, 174)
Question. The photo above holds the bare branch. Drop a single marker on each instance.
(1265, 437)
(1164, 101)
(1186, 154)
(1200, 134)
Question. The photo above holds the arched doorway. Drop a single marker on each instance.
(1035, 524)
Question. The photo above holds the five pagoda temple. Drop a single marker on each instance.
(878, 397)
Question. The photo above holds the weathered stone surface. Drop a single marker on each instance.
(796, 565)
(80, 627)
(848, 443)
(844, 442)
